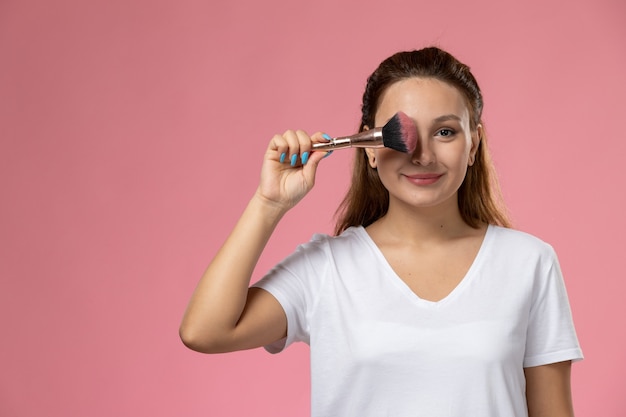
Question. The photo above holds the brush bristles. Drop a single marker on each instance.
(400, 133)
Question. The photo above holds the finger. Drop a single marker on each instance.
(309, 170)
(321, 137)
(278, 148)
(304, 141)
(294, 146)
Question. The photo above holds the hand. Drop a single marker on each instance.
(289, 168)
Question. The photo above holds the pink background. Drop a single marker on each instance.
(131, 138)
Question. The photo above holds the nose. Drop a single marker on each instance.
(424, 154)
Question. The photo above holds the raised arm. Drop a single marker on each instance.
(223, 314)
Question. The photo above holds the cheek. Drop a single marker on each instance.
(457, 154)
(388, 160)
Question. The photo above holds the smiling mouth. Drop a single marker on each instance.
(424, 179)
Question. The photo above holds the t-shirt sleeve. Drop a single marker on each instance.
(551, 336)
(295, 282)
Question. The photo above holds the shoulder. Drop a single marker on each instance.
(324, 246)
(349, 237)
(519, 242)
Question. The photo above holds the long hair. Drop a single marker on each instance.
(479, 197)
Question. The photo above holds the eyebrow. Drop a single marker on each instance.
(447, 117)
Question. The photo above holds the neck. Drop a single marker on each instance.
(423, 224)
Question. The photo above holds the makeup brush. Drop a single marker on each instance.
(399, 133)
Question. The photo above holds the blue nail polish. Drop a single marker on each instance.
(328, 154)
(294, 159)
(326, 136)
(282, 157)
(304, 158)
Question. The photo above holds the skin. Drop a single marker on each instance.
(422, 236)
(548, 390)
(223, 315)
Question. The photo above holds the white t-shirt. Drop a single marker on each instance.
(377, 349)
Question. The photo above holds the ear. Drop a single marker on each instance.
(371, 157)
(371, 154)
(477, 136)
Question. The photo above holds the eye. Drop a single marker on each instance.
(445, 133)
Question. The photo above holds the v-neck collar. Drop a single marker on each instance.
(402, 286)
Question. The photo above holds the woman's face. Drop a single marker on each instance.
(432, 175)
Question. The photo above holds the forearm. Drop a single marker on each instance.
(548, 390)
(220, 297)
(220, 316)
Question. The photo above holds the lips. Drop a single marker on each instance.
(424, 178)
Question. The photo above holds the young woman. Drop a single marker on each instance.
(425, 303)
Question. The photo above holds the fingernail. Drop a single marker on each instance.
(327, 154)
(282, 157)
(304, 158)
(294, 159)
(326, 136)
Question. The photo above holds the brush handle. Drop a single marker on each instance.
(372, 138)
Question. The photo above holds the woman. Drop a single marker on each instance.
(426, 303)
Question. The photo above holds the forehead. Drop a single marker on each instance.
(422, 99)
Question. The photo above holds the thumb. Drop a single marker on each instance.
(309, 170)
